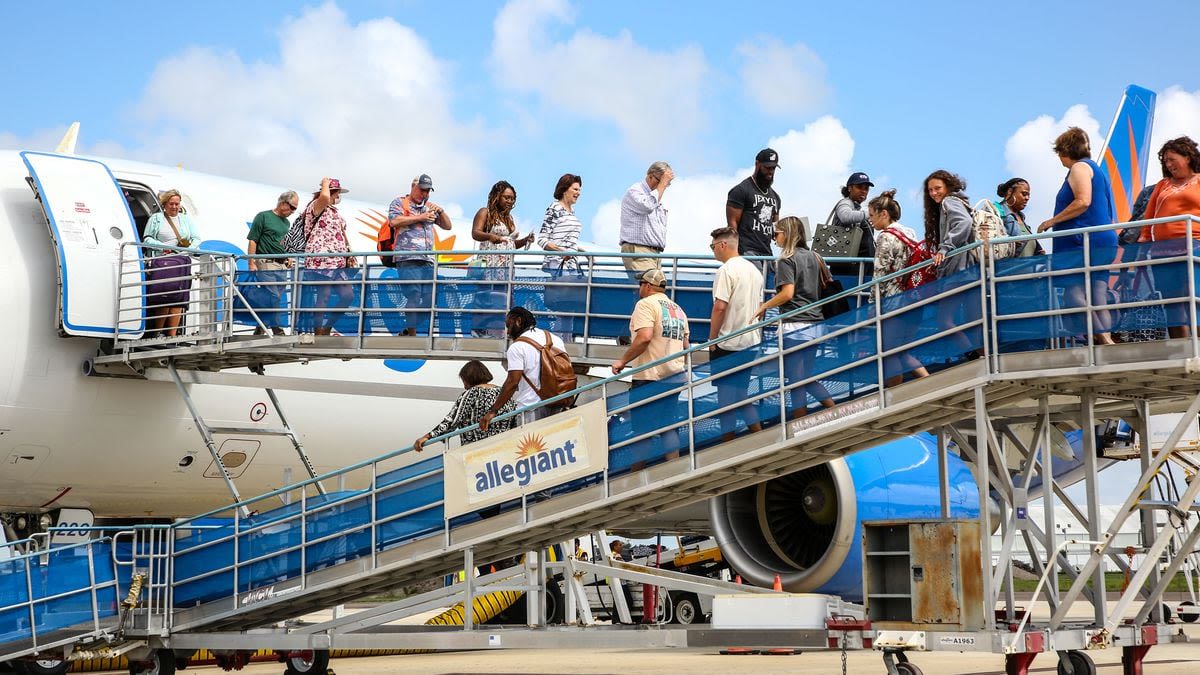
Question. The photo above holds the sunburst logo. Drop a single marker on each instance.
(374, 221)
(531, 444)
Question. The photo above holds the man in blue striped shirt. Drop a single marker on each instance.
(644, 218)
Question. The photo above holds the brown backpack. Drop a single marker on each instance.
(558, 375)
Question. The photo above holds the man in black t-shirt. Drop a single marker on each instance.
(753, 207)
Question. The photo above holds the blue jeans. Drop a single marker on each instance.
(417, 296)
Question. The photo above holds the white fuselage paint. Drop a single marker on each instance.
(113, 445)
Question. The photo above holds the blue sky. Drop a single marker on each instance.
(530, 89)
(377, 91)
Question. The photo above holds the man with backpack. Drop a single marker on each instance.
(538, 368)
(410, 228)
(658, 328)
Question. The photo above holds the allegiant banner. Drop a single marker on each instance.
(534, 457)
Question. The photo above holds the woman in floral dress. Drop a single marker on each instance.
(325, 232)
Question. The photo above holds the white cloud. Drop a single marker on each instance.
(367, 102)
(814, 163)
(653, 97)
(1176, 114)
(1028, 154)
(783, 79)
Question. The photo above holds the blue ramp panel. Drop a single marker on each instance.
(48, 594)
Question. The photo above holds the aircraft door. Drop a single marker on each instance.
(89, 220)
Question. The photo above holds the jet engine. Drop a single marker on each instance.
(805, 526)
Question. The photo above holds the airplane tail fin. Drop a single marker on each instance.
(67, 145)
(1127, 148)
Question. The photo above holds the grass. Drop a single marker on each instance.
(1113, 581)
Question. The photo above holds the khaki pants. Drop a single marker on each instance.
(640, 264)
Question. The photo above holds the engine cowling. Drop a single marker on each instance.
(805, 526)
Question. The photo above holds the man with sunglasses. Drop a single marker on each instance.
(266, 237)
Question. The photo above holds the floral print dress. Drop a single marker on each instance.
(496, 266)
(326, 235)
(892, 255)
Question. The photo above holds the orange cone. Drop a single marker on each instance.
(737, 579)
(778, 584)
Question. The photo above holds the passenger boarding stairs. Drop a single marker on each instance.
(1037, 361)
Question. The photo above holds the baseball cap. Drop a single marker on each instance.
(424, 182)
(654, 277)
(767, 157)
(859, 178)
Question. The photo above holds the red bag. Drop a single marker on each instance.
(917, 254)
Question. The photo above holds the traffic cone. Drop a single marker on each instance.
(778, 584)
(737, 579)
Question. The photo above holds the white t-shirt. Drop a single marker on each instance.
(525, 357)
(739, 283)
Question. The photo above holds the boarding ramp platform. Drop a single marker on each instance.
(1012, 339)
(448, 309)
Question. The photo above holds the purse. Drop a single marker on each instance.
(829, 288)
(1140, 324)
(833, 240)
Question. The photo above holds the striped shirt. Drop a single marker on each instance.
(561, 228)
(643, 217)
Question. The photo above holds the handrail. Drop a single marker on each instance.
(704, 346)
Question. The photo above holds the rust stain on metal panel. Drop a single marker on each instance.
(934, 567)
(970, 571)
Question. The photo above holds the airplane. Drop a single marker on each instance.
(80, 451)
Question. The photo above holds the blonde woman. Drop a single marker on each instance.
(169, 273)
(799, 276)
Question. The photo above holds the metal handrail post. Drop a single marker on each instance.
(304, 537)
(374, 515)
(237, 538)
(29, 598)
(587, 301)
(691, 428)
(1087, 298)
(92, 587)
(1191, 277)
(362, 299)
(879, 360)
(990, 336)
(433, 298)
(783, 392)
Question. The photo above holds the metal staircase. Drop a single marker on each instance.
(391, 526)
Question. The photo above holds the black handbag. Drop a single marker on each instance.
(829, 288)
(1140, 324)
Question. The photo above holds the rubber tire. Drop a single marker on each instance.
(687, 609)
(908, 668)
(1080, 663)
(319, 663)
(39, 667)
(163, 660)
(1188, 615)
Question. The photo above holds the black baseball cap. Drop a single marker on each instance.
(859, 178)
(424, 182)
(767, 157)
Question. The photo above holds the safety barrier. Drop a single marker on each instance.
(435, 300)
